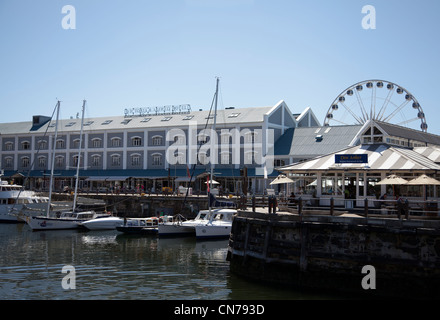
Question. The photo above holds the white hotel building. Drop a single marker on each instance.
(131, 150)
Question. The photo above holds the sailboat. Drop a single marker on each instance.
(65, 220)
(212, 223)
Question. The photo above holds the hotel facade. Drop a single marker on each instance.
(151, 149)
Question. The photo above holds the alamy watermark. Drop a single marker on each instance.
(369, 281)
(69, 281)
(69, 20)
(369, 20)
(225, 147)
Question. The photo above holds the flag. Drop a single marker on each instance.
(187, 172)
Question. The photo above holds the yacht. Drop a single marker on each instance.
(13, 199)
(218, 226)
(178, 227)
(103, 223)
(63, 221)
(214, 223)
(143, 225)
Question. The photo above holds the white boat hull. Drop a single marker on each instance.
(173, 229)
(6, 217)
(42, 223)
(212, 231)
(109, 223)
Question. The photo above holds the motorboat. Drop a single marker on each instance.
(218, 226)
(66, 220)
(179, 227)
(214, 223)
(103, 223)
(12, 200)
(143, 225)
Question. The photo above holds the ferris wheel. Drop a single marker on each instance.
(376, 100)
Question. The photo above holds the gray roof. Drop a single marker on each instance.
(380, 157)
(314, 141)
(224, 117)
(407, 133)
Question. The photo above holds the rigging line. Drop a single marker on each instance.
(396, 111)
(385, 105)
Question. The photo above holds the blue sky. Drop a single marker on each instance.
(141, 53)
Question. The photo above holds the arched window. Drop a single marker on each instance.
(136, 141)
(157, 159)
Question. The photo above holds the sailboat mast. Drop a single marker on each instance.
(53, 159)
(79, 156)
(213, 140)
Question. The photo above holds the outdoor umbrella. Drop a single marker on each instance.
(393, 180)
(281, 179)
(424, 181)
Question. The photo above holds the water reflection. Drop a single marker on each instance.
(111, 265)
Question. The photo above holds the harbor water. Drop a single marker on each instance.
(111, 265)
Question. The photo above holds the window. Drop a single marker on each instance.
(234, 115)
(25, 162)
(225, 138)
(107, 122)
(96, 160)
(60, 144)
(25, 145)
(250, 137)
(226, 158)
(188, 117)
(179, 140)
(136, 160)
(76, 143)
(75, 160)
(88, 123)
(9, 162)
(42, 144)
(126, 121)
(70, 124)
(145, 119)
(116, 160)
(116, 142)
(166, 119)
(59, 161)
(136, 141)
(157, 159)
(42, 162)
(96, 143)
(9, 146)
(157, 141)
